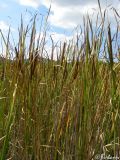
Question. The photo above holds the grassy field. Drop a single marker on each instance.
(59, 109)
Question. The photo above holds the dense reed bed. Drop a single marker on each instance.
(64, 109)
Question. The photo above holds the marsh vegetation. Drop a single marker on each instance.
(59, 109)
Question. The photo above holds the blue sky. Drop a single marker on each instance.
(11, 11)
(65, 14)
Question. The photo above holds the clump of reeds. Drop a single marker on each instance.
(60, 109)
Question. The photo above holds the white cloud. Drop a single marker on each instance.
(69, 13)
(4, 26)
(69, 17)
(31, 3)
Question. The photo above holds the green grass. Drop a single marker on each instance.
(60, 110)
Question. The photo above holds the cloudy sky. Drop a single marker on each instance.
(65, 14)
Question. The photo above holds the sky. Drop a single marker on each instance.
(64, 17)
